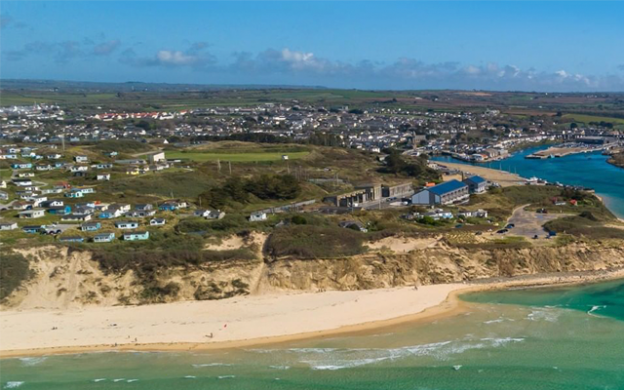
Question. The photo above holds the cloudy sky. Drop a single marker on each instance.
(555, 46)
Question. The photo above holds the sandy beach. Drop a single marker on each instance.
(243, 321)
(505, 179)
(229, 322)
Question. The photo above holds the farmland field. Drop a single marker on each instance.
(235, 157)
(591, 118)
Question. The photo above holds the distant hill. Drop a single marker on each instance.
(130, 86)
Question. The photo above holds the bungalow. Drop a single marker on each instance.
(144, 207)
(76, 218)
(8, 226)
(74, 194)
(112, 212)
(59, 210)
(79, 168)
(22, 166)
(136, 236)
(103, 177)
(32, 229)
(30, 214)
(104, 237)
(258, 216)
(81, 159)
(90, 226)
(4, 195)
(54, 156)
(102, 166)
(215, 214)
(126, 225)
(53, 203)
(476, 184)
(473, 214)
(140, 213)
(446, 193)
(53, 190)
(25, 174)
(22, 182)
(157, 221)
(71, 239)
(168, 206)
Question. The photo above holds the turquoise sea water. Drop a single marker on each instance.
(589, 170)
(557, 338)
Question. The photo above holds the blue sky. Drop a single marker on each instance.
(554, 46)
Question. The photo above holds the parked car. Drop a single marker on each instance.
(502, 231)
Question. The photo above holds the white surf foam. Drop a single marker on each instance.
(13, 385)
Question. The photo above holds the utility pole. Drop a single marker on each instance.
(230, 165)
(219, 166)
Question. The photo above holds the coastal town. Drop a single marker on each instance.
(268, 195)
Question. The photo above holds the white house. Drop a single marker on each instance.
(30, 214)
(258, 216)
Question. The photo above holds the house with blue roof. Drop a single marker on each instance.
(452, 191)
(476, 184)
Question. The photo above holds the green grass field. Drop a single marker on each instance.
(591, 118)
(235, 157)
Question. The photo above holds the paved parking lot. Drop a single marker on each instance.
(529, 223)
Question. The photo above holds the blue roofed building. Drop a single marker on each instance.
(476, 184)
(449, 192)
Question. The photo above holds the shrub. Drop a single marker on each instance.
(310, 242)
(13, 271)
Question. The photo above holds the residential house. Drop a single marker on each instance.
(104, 237)
(32, 229)
(31, 214)
(22, 182)
(258, 216)
(76, 218)
(473, 214)
(157, 221)
(59, 210)
(74, 194)
(103, 177)
(71, 239)
(90, 226)
(126, 225)
(136, 236)
(8, 225)
(81, 159)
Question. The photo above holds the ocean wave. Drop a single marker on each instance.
(99, 380)
(226, 376)
(32, 361)
(548, 314)
(594, 309)
(336, 359)
(190, 377)
(280, 367)
(13, 385)
(131, 380)
(201, 365)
